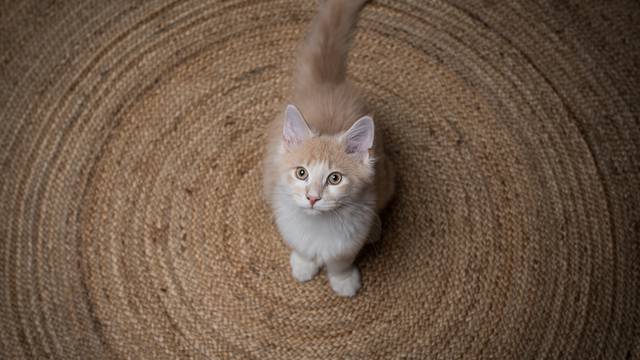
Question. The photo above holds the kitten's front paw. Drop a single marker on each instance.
(303, 269)
(346, 283)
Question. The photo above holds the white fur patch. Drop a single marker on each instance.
(325, 235)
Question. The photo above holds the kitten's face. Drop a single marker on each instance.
(323, 173)
(319, 178)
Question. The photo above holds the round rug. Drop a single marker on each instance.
(132, 223)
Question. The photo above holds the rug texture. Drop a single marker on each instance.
(132, 223)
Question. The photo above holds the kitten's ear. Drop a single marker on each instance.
(359, 138)
(295, 129)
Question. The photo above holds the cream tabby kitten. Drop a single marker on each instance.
(326, 176)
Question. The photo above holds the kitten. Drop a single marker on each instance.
(326, 176)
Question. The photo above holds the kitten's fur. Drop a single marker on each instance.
(326, 129)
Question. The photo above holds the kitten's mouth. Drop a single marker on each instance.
(311, 211)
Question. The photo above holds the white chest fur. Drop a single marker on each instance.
(324, 236)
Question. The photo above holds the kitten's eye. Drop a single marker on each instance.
(301, 173)
(335, 178)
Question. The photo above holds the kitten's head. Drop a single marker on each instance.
(324, 172)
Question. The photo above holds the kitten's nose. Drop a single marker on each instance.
(312, 199)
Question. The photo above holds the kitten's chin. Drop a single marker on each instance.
(316, 210)
(311, 211)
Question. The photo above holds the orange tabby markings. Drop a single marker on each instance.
(326, 175)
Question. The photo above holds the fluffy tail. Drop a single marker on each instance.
(323, 57)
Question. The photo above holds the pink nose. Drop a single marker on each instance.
(312, 199)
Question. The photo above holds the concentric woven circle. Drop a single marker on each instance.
(132, 223)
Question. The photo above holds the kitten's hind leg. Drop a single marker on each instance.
(302, 268)
(344, 277)
(376, 230)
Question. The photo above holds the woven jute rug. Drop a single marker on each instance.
(132, 223)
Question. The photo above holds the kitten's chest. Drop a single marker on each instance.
(323, 236)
